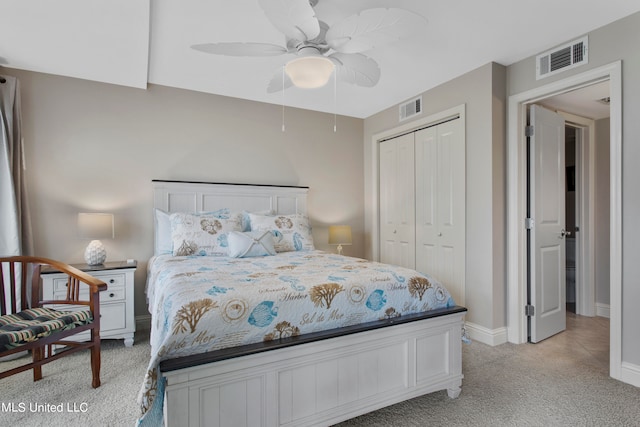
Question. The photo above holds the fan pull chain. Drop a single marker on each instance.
(335, 102)
(283, 128)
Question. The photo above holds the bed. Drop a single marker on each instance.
(251, 326)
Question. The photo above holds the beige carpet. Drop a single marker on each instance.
(560, 382)
(67, 381)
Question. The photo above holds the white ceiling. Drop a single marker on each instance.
(586, 102)
(130, 42)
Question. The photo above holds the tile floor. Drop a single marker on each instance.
(586, 339)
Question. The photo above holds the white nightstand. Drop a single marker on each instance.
(116, 303)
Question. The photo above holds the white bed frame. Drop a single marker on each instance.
(314, 383)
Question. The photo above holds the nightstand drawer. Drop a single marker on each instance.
(111, 294)
(60, 284)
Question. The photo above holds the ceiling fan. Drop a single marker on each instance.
(320, 50)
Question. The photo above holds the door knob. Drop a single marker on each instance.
(564, 233)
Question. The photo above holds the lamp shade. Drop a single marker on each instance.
(339, 234)
(95, 225)
(309, 72)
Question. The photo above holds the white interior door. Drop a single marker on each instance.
(397, 201)
(440, 205)
(547, 286)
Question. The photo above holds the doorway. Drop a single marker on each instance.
(585, 179)
(586, 115)
(516, 202)
(571, 196)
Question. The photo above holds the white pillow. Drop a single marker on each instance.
(290, 232)
(246, 221)
(250, 244)
(162, 233)
(203, 233)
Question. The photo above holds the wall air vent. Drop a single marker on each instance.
(411, 108)
(562, 58)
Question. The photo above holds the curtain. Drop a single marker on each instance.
(15, 225)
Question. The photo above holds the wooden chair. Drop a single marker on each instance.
(28, 323)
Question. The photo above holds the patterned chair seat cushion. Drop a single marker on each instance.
(30, 325)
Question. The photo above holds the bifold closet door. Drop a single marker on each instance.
(440, 204)
(397, 201)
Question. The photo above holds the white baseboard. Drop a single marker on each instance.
(143, 323)
(487, 336)
(630, 374)
(603, 310)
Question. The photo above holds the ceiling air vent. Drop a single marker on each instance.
(411, 108)
(562, 58)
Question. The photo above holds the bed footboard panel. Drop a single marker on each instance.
(322, 382)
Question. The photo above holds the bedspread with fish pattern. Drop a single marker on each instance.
(201, 303)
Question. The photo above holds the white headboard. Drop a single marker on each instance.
(181, 196)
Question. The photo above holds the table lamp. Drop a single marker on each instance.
(339, 235)
(95, 226)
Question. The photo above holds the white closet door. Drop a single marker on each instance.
(397, 201)
(440, 205)
(426, 161)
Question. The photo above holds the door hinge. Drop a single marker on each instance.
(528, 131)
(528, 223)
(529, 311)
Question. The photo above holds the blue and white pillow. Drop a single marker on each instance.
(203, 233)
(290, 232)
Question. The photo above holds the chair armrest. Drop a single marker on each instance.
(76, 278)
(95, 285)
(32, 265)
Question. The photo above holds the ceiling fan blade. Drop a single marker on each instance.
(355, 68)
(241, 49)
(275, 85)
(373, 28)
(295, 18)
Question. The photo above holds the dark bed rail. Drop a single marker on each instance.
(229, 183)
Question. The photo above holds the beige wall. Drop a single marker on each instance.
(483, 93)
(96, 147)
(614, 42)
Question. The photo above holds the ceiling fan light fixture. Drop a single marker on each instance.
(309, 72)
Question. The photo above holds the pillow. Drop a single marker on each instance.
(290, 232)
(203, 233)
(162, 233)
(250, 244)
(246, 221)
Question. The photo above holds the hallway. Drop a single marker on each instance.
(586, 339)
